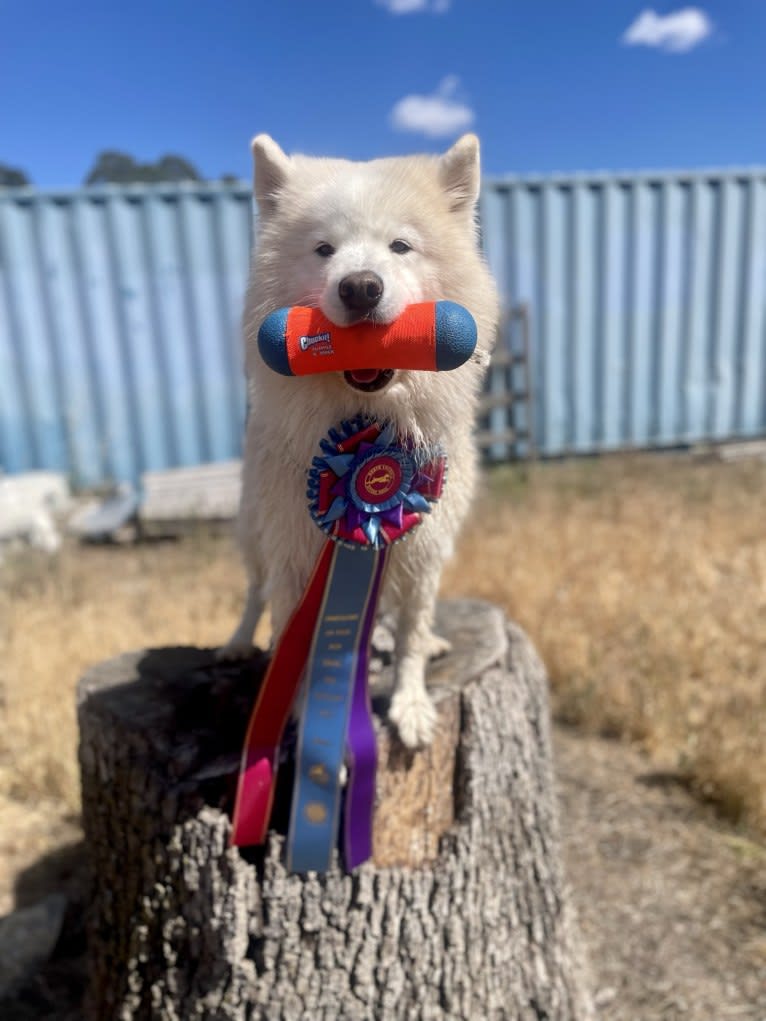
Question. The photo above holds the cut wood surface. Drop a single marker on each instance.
(461, 915)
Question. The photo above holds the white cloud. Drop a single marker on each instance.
(414, 6)
(677, 32)
(436, 115)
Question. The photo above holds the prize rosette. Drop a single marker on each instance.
(367, 489)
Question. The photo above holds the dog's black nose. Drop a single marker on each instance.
(361, 292)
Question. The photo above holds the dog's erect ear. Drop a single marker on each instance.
(460, 173)
(271, 170)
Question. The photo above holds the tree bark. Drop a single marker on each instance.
(461, 915)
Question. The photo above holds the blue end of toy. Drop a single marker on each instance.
(272, 342)
(456, 335)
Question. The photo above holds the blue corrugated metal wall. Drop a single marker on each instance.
(648, 302)
(120, 306)
(119, 328)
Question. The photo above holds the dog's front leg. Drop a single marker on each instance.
(412, 711)
(240, 645)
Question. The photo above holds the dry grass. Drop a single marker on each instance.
(59, 617)
(641, 580)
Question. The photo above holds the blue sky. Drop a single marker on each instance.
(548, 86)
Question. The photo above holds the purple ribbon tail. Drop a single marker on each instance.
(362, 746)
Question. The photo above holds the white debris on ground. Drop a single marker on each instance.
(31, 508)
(109, 518)
(37, 508)
(165, 503)
(202, 492)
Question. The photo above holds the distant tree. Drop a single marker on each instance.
(116, 167)
(112, 167)
(229, 179)
(175, 168)
(10, 177)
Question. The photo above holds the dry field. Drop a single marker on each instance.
(642, 580)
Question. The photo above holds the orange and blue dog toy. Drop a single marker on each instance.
(433, 335)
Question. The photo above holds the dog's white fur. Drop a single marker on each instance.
(360, 209)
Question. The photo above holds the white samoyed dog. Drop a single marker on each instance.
(360, 241)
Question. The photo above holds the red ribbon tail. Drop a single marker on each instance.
(259, 762)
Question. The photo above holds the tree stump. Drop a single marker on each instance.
(462, 914)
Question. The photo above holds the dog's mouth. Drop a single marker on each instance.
(369, 380)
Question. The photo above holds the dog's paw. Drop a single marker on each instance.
(438, 646)
(414, 716)
(233, 651)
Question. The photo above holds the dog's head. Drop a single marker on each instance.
(363, 241)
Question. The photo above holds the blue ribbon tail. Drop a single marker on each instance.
(337, 645)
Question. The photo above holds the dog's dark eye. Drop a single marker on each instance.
(325, 250)
(400, 247)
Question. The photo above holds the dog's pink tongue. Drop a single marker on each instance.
(364, 375)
